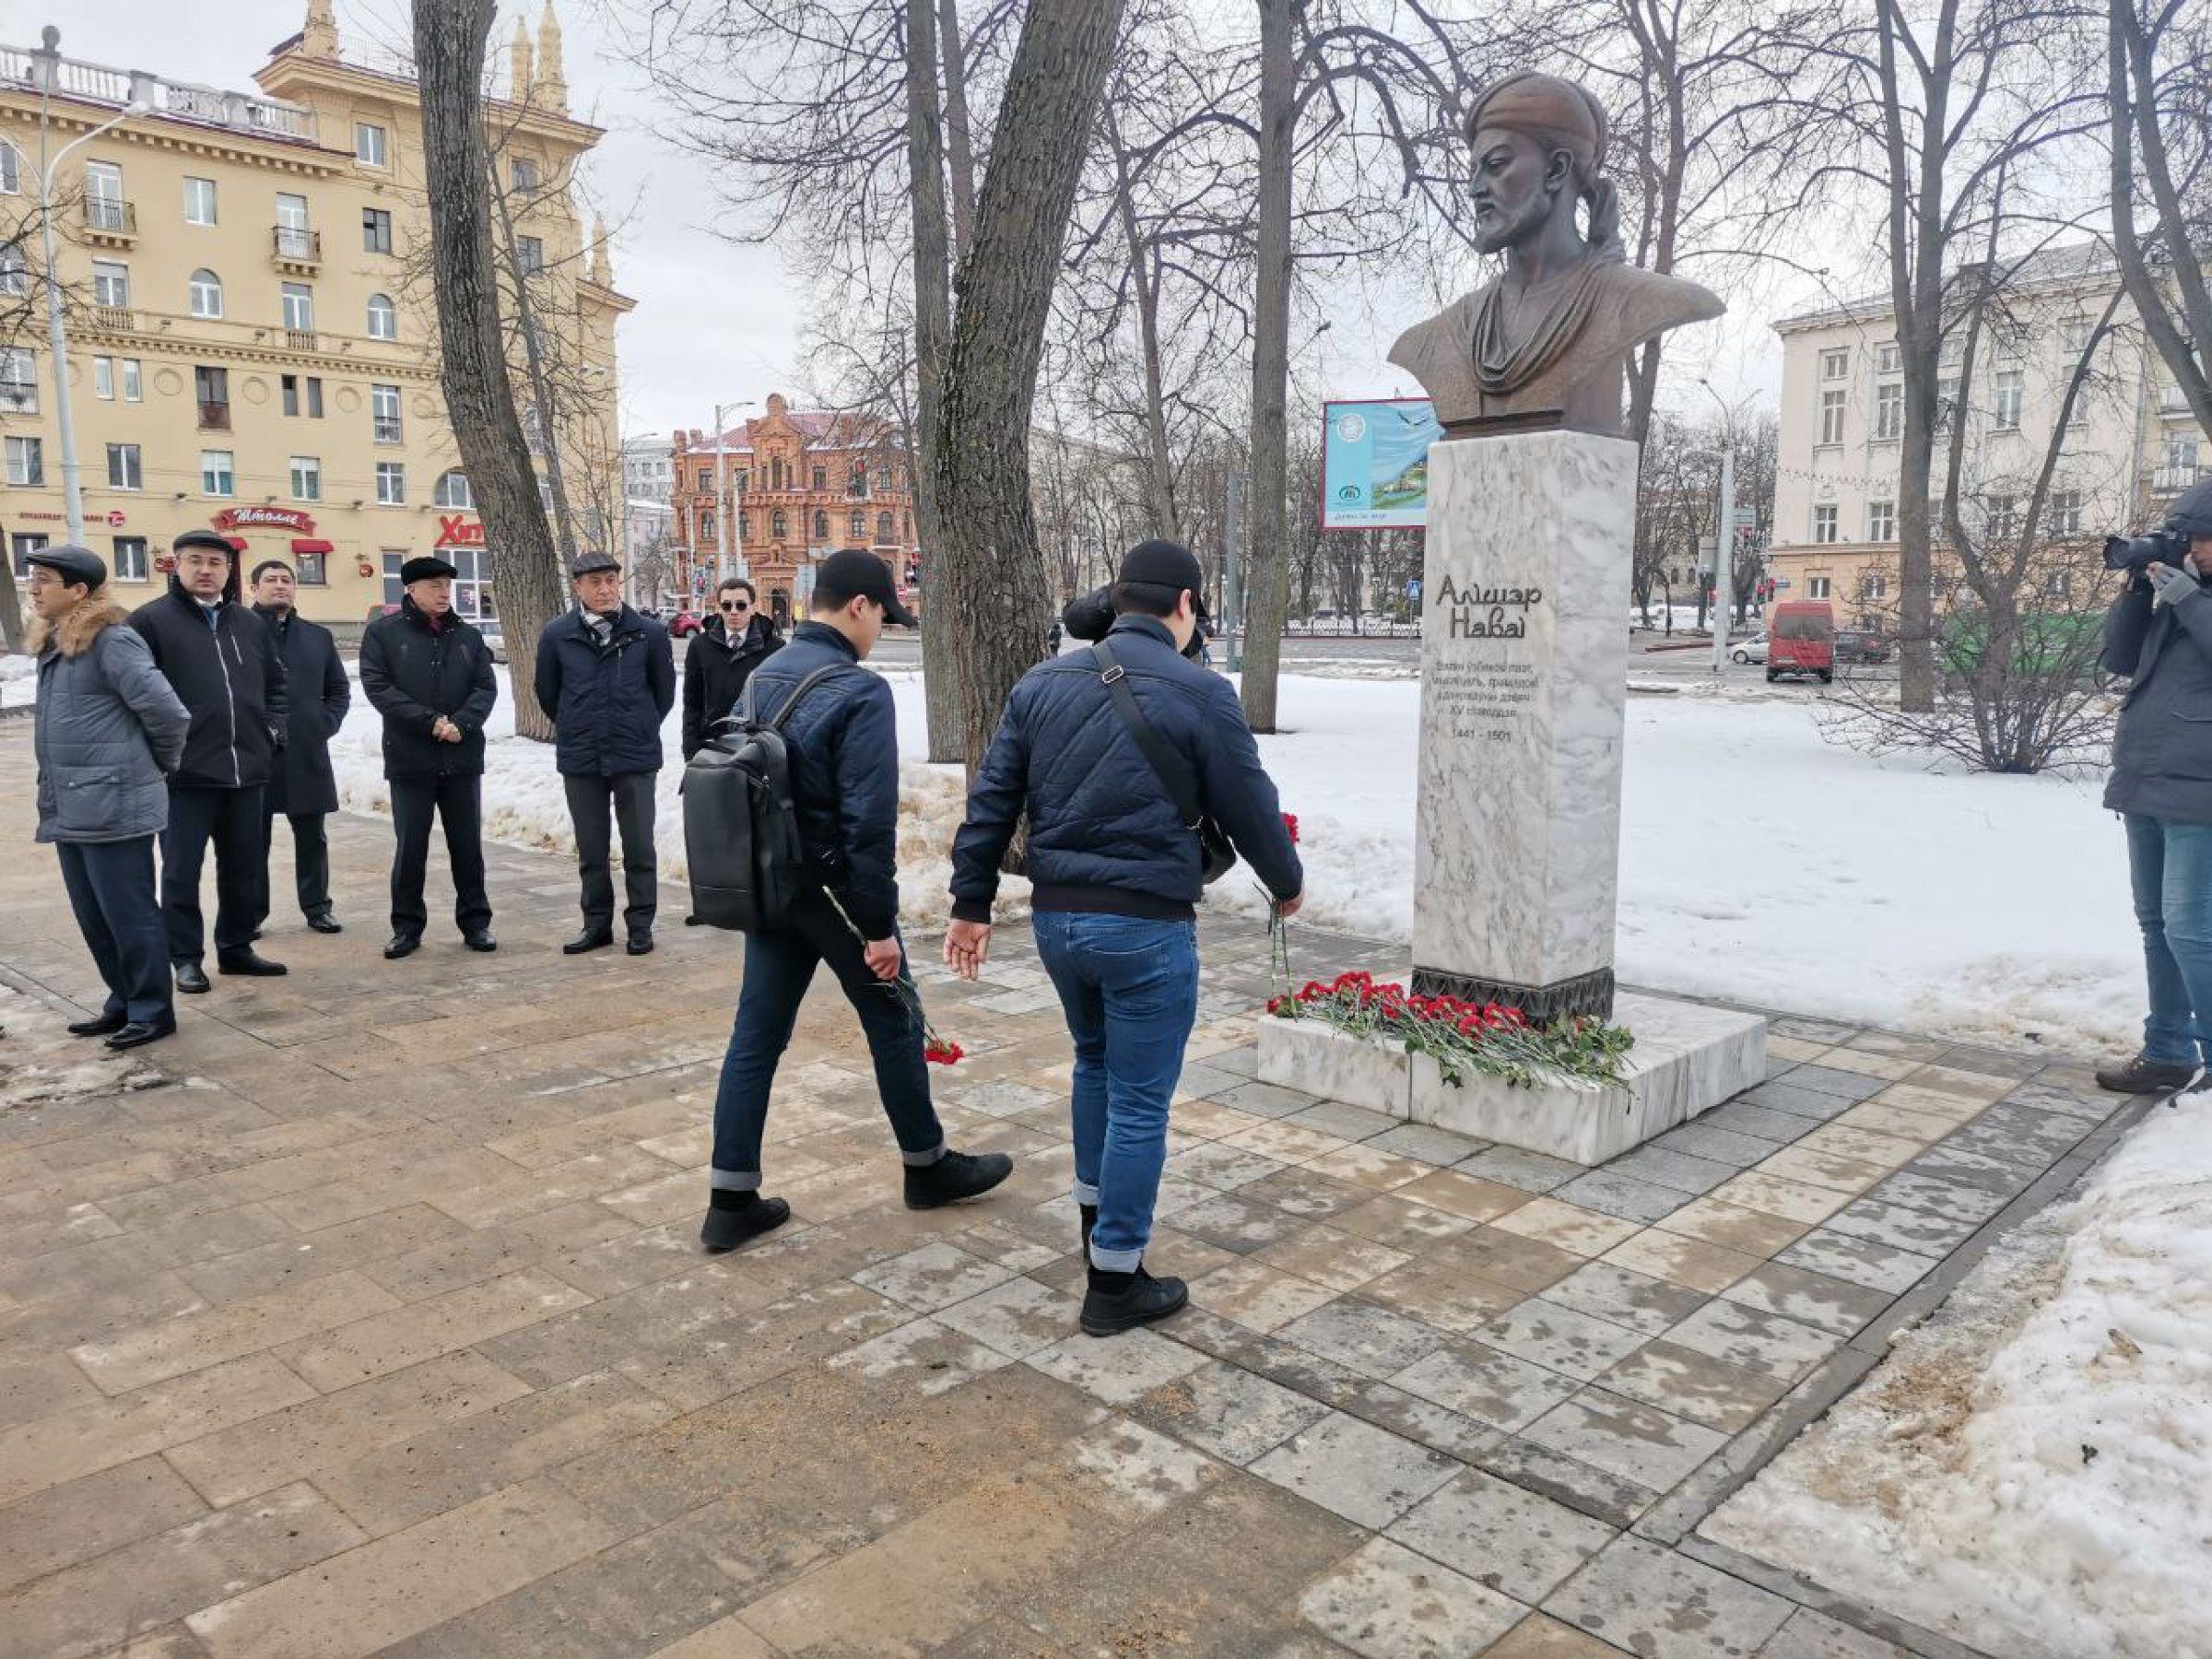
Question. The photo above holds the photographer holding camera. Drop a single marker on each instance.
(2158, 633)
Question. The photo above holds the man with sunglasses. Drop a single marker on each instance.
(722, 657)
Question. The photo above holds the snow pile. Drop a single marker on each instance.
(18, 681)
(2026, 1471)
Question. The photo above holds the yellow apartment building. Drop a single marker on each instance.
(252, 343)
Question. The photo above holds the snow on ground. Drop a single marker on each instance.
(18, 680)
(2025, 1471)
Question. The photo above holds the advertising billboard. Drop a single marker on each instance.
(1374, 463)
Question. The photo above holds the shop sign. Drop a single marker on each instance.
(264, 518)
(112, 518)
(455, 531)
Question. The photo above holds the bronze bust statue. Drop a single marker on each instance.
(1547, 343)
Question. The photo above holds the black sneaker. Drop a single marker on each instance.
(1121, 1302)
(2146, 1076)
(953, 1177)
(730, 1225)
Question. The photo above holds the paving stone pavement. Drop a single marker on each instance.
(367, 1315)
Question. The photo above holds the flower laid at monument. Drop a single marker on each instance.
(1462, 1036)
(936, 1051)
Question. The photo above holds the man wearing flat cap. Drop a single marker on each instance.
(429, 673)
(607, 678)
(108, 731)
(223, 661)
(1547, 342)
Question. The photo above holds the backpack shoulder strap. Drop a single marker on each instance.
(745, 712)
(1167, 765)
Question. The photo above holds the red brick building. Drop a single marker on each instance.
(800, 484)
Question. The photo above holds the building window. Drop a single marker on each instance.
(856, 527)
(369, 145)
(134, 384)
(885, 532)
(207, 294)
(123, 469)
(294, 239)
(529, 255)
(2011, 393)
(1824, 523)
(1881, 521)
(129, 563)
(1888, 412)
(211, 390)
(1874, 587)
(1887, 359)
(14, 270)
(821, 526)
(384, 318)
(2002, 514)
(1819, 587)
(821, 477)
(299, 308)
(524, 173)
(111, 283)
(391, 484)
(1835, 365)
(314, 568)
(23, 544)
(857, 483)
(104, 378)
(383, 414)
(775, 475)
(452, 489)
(11, 169)
(104, 207)
(302, 393)
(779, 527)
(199, 201)
(25, 461)
(2074, 336)
(706, 478)
(2065, 512)
(376, 230)
(1831, 417)
(307, 478)
(18, 381)
(883, 480)
(706, 523)
(216, 476)
(2058, 584)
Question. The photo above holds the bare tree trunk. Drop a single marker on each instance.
(1267, 587)
(542, 400)
(958, 142)
(11, 610)
(1144, 276)
(449, 61)
(2183, 345)
(932, 334)
(991, 572)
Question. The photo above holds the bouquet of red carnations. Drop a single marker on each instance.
(1461, 1036)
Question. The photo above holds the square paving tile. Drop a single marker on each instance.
(1370, 1340)
(1687, 1384)
(1937, 1196)
(1442, 1292)
(1654, 1603)
(1834, 1305)
(1615, 1191)
(1732, 1226)
(1881, 1222)
(1691, 1262)
(1229, 1411)
(1498, 1535)
(1018, 1318)
(925, 1354)
(1482, 1382)
(1264, 1099)
(1754, 1340)
(1428, 1143)
(1740, 1116)
(1811, 1635)
(1860, 1261)
(1220, 1165)
(1400, 1222)
(1120, 1368)
(1579, 1231)
(1389, 1603)
(1844, 1084)
(1459, 1194)
(1531, 1171)
(1539, 1636)
(1560, 1338)
(1305, 1193)
(1504, 1258)
(1341, 1261)
(1238, 1225)
(934, 1276)
(1365, 1474)
(1679, 1170)
(1637, 1441)
(1638, 1300)
(1258, 1296)
(1346, 1122)
(1703, 1138)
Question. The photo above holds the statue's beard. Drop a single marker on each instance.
(1500, 229)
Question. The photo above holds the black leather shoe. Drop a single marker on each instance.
(480, 940)
(248, 961)
(591, 938)
(137, 1034)
(402, 945)
(191, 979)
(2139, 1076)
(641, 944)
(100, 1027)
(730, 1225)
(322, 921)
(1121, 1302)
(953, 1177)
(256, 938)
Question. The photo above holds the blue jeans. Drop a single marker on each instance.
(2169, 864)
(1130, 988)
(110, 886)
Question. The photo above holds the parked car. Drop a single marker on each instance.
(1753, 650)
(685, 622)
(1861, 646)
(1801, 639)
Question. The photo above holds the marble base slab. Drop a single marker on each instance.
(1688, 1059)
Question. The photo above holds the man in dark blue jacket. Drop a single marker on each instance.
(844, 741)
(224, 663)
(606, 677)
(1116, 872)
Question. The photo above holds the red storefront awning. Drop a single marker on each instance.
(238, 543)
(308, 544)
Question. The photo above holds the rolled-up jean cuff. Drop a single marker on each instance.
(734, 1181)
(919, 1160)
(1115, 1260)
(1084, 1193)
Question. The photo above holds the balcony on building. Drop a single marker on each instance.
(296, 248)
(2173, 403)
(111, 223)
(302, 339)
(2173, 480)
(214, 415)
(115, 319)
(244, 113)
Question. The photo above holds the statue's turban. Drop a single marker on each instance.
(1556, 113)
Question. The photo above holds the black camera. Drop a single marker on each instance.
(2136, 554)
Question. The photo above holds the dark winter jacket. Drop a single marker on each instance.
(1091, 615)
(1104, 833)
(2162, 748)
(843, 739)
(715, 672)
(229, 676)
(607, 702)
(107, 730)
(318, 696)
(412, 676)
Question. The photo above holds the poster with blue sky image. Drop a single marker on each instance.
(1374, 463)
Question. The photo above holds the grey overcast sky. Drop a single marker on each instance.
(717, 320)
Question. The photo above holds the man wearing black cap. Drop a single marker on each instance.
(606, 677)
(843, 742)
(107, 729)
(302, 784)
(1117, 867)
(428, 673)
(2158, 633)
(223, 662)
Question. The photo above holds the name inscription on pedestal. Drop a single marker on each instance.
(1474, 696)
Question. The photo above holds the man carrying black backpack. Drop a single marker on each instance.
(842, 744)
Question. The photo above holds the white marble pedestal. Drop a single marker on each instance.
(1688, 1058)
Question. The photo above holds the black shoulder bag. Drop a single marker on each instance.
(1216, 857)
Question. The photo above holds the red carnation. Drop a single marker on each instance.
(1291, 823)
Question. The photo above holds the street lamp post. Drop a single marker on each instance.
(57, 336)
(1723, 536)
